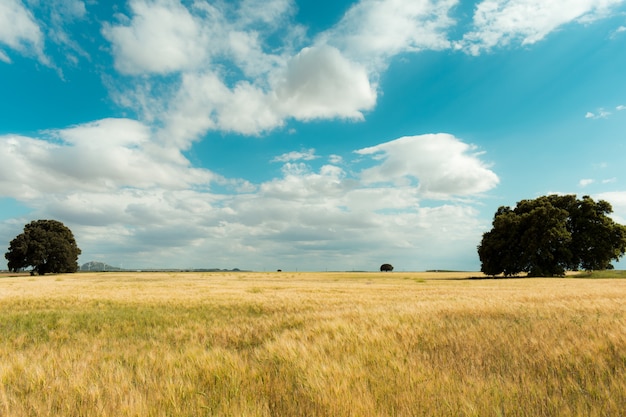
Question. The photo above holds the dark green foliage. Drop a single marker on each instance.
(551, 234)
(46, 245)
(386, 268)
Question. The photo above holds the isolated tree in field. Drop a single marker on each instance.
(551, 234)
(48, 246)
(386, 268)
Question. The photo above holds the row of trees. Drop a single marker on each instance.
(551, 234)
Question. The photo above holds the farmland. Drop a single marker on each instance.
(311, 344)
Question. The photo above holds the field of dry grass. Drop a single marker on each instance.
(311, 344)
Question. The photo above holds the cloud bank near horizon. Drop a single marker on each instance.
(109, 176)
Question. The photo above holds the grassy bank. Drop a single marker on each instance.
(305, 344)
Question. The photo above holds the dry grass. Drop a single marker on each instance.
(311, 344)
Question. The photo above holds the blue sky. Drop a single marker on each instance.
(308, 135)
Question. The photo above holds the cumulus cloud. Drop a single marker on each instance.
(317, 83)
(101, 156)
(499, 23)
(204, 102)
(19, 31)
(162, 36)
(320, 82)
(441, 163)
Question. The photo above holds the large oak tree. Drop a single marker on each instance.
(551, 234)
(48, 246)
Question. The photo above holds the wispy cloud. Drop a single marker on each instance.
(588, 181)
(372, 31)
(29, 28)
(618, 32)
(20, 31)
(599, 114)
(499, 23)
(307, 155)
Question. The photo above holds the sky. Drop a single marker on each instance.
(304, 135)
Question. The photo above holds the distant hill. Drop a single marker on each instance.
(98, 267)
(94, 266)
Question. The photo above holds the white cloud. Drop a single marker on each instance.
(599, 114)
(499, 23)
(247, 109)
(618, 31)
(441, 163)
(374, 30)
(203, 102)
(620, 107)
(19, 31)
(61, 14)
(317, 83)
(161, 37)
(585, 182)
(320, 82)
(618, 202)
(165, 36)
(306, 155)
(269, 12)
(102, 156)
(335, 159)
(22, 32)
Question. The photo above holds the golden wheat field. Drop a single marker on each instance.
(311, 344)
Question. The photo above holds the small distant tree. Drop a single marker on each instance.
(551, 234)
(386, 268)
(47, 246)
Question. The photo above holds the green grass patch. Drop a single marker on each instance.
(609, 273)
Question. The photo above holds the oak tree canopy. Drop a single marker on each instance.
(48, 246)
(550, 235)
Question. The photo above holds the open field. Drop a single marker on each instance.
(311, 344)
